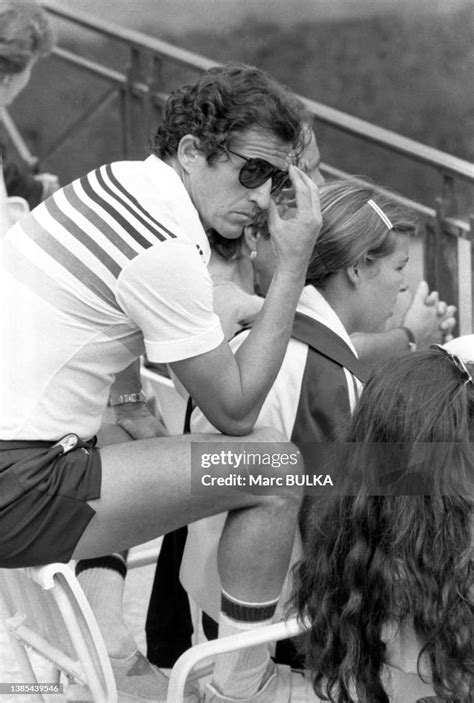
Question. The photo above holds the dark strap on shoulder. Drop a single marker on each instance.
(321, 339)
(328, 343)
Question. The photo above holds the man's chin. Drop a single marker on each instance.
(232, 232)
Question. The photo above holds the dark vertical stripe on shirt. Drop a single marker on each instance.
(121, 221)
(98, 222)
(76, 231)
(130, 197)
(156, 233)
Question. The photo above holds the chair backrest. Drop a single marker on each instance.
(45, 610)
(197, 661)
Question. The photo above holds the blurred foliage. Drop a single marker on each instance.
(414, 76)
(411, 75)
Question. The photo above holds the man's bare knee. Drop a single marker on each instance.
(276, 472)
(284, 507)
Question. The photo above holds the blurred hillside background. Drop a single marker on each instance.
(406, 65)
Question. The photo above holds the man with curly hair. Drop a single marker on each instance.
(111, 266)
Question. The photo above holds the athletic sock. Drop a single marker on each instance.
(103, 581)
(241, 674)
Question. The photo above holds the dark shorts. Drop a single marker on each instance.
(44, 490)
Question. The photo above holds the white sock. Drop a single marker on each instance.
(103, 586)
(241, 674)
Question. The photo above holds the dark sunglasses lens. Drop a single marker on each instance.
(280, 181)
(255, 172)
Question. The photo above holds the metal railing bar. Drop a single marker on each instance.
(88, 65)
(104, 72)
(391, 140)
(336, 118)
(415, 205)
(457, 227)
(125, 122)
(82, 120)
(130, 36)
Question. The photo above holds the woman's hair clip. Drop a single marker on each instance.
(458, 363)
(380, 213)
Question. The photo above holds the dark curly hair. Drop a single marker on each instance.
(374, 559)
(25, 34)
(228, 99)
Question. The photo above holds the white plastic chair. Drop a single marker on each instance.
(45, 611)
(198, 661)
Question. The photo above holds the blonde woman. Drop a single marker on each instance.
(25, 36)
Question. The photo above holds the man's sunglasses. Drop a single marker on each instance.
(256, 171)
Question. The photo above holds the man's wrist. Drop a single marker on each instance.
(293, 276)
(125, 398)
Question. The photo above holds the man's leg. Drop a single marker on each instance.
(103, 581)
(146, 491)
(103, 578)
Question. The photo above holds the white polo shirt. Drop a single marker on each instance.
(113, 265)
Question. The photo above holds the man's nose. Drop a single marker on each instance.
(261, 195)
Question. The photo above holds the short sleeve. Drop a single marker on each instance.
(167, 292)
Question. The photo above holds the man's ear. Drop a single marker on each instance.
(251, 236)
(188, 151)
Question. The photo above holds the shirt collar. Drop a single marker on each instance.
(313, 304)
(160, 171)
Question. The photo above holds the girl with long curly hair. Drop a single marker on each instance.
(386, 582)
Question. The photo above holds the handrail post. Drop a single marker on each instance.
(154, 82)
(134, 76)
(443, 263)
(471, 223)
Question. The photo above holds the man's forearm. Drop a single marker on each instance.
(261, 355)
(230, 389)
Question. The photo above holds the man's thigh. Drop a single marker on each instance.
(147, 490)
